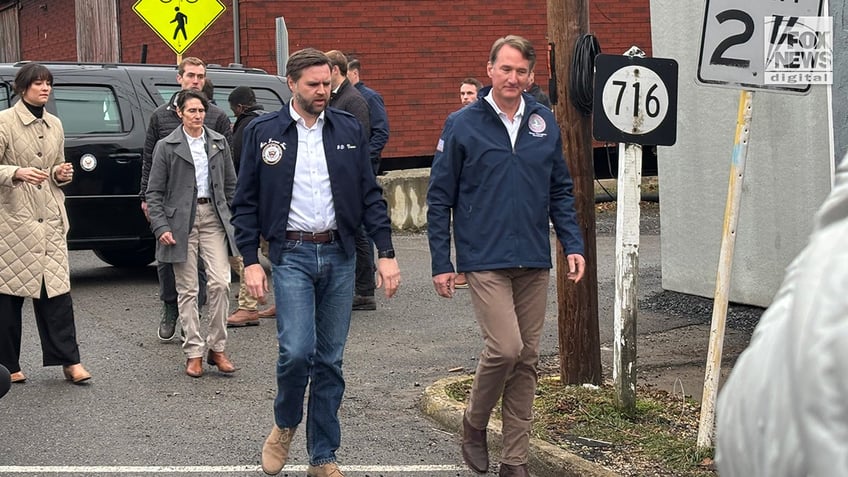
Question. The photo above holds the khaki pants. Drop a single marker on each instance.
(510, 309)
(208, 239)
(246, 301)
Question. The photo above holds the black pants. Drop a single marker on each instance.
(365, 281)
(55, 320)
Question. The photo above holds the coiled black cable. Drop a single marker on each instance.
(580, 87)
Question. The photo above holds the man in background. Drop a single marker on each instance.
(348, 98)
(468, 90)
(379, 137)
(242, 102)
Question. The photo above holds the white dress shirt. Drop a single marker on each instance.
(511, 126)
(197, 145)
(312, 208)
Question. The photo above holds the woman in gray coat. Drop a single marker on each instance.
(192, 181)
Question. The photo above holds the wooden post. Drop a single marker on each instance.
(579, 341)
(626, 275)
(725, 265)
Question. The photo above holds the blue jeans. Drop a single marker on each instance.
(313, 289)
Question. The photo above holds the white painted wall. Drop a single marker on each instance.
(787, 174)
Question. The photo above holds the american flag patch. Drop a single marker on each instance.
(440, 147)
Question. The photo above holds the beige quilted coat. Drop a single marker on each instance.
(33, 222)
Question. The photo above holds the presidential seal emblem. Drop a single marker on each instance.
(88, 162)
(272, 153)
(536, 123)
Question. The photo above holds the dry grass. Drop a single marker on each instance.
(657, 439)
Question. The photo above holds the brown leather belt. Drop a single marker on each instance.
(203, 200)
(314, 237)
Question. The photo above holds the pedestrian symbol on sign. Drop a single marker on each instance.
(181, 20)
(172, 24)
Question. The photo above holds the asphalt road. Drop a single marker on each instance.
(141, 415)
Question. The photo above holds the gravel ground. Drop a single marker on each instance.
(695, 308)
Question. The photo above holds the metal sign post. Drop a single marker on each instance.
(725, 264)
(635, 103)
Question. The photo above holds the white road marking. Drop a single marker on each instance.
(210, 469)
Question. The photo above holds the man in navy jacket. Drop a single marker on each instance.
(305, 185)
(499, 168)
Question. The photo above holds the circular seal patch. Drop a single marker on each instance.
(536, 123)
(272, 153)
(88, 162)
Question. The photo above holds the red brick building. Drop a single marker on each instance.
(414, 52)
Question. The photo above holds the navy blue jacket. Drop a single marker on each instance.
(501, 197)
(264, 191)
(379, 123)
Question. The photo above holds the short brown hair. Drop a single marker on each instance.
(354, 65)
(29, 74)
(305, 58)
(337, 58)
(472, 81)
(191, 60)
(519, 43)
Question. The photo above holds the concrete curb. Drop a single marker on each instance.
(546, 460)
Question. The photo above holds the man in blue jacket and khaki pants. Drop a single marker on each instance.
(499, 168)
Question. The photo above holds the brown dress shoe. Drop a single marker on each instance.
(475, 449)
(18, 377)
(275, 450)
(508, 470)
(219, 359)
(194, 367)
(269, 313)
(329, 469)
(75, 373)
(243, 317)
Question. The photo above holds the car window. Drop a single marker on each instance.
(4, 96)
(268, 98)
(87, 109)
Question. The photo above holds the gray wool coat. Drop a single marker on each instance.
(172, 190)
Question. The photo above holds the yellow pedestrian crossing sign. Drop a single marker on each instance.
(179, 22)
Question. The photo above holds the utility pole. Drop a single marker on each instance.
(579, 341)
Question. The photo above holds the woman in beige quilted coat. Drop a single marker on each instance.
(34, 228)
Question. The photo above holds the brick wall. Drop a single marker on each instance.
(413, 52)
(47, 30)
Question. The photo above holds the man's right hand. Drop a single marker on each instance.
(256, 281)
(144, 209)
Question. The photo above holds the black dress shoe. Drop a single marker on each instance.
(507, 470)
(475, 449)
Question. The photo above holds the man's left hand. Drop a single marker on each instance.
(576, 267)
(388, 273)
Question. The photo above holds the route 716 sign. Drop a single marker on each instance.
(635, 100)
(179, 22)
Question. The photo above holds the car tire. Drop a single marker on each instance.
(128, 258)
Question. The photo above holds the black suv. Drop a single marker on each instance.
(105, 109)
